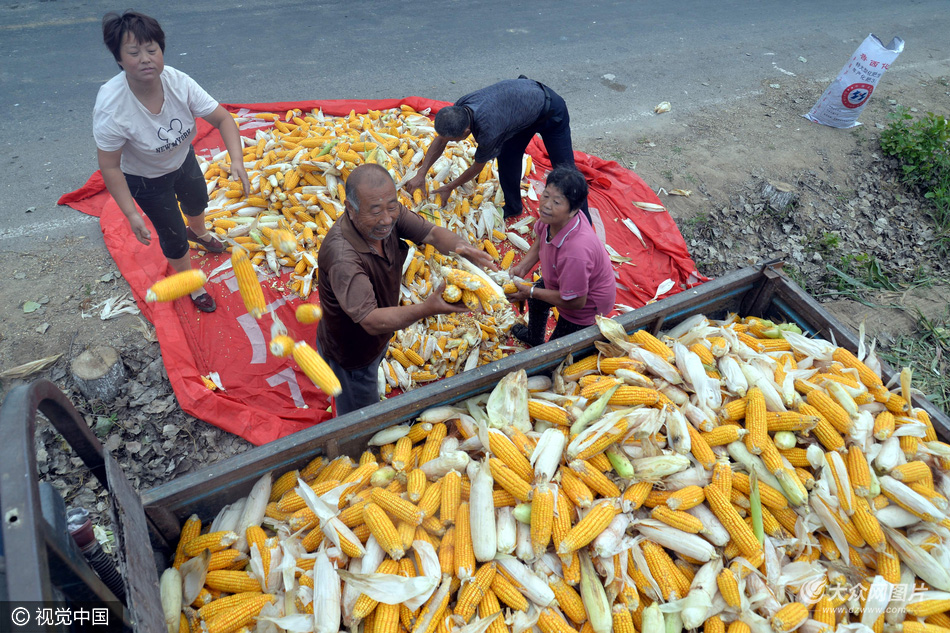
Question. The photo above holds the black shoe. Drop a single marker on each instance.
(204, 302)
(523, 334)
(208, 241)
(512, 213)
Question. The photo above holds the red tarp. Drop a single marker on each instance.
(264, 397)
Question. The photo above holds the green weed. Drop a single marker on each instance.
(923, 148)
(925, 352)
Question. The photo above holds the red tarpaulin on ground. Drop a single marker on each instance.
(264, 397)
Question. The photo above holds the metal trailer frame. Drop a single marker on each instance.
(33, 547)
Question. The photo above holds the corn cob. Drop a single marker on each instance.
(316, 369)
(248, 285)
(176, 286)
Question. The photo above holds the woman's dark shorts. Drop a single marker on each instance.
(159, 199)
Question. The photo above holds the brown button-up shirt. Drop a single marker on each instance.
(354, 280)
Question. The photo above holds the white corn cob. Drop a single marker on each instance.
(482, 515)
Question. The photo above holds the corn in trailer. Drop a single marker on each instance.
(761, 291)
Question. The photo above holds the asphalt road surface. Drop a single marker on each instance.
(611, 61)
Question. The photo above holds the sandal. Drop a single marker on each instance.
(204, 302)
(208, 241)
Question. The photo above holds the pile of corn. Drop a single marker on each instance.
(442, 346)
(735, 476)
(297, 166)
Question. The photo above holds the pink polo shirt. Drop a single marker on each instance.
(576, 264)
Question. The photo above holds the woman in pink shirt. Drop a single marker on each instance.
(576, 275)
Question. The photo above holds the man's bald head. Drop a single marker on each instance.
(366, 175)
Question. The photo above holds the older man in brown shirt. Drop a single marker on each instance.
(360, 264)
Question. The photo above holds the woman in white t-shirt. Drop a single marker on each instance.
(144, 124)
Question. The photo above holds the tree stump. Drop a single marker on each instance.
(99, 373)
(779, 195)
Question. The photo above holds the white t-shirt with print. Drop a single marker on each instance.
(152, 144)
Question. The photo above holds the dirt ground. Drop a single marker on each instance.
(848, 204)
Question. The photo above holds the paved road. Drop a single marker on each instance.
(612, 61)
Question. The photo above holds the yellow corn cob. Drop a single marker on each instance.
(291, 501)
(755, 422)
(281, 346)
(430, 450)
(226, 559)
(741, 533)
(213, 541)
(884, 425)
(722, 477)
(867, 525)
(577, 491)
(911, 472)
(507, 593)
(789, 617)
(700, 449)
(829, 437)
(542, 518)
(677, 519)
(771, 498)
(550, 621)
(859, 473)
(738, 626)
(396, 506)
(588, 528)
(609, 437)
(248, 285)
(416, 485)
(661, 568)
(714, 624)
(399, 356)
(231, 581)
(722, 435)
(508, 480)
(797, 457)
(909, 445)
(830, 410)
(789, 421)
(316, 369)
(313, 468)
(221, 606)
(283, 484)
(595, 480)
(308, 313)
(503, 448)
(473, 592)
(452, 293)
(729, 588)
(600, 462)
(382, 527)
(636, 494)
(255, 536)
(652, 344)
(581, 367)
(464, 553)
(414, 359)
(849, 360)
(176, 286)
(189, 531)
(547, 412)
(568, 600)
(926, 608)
(451, 496)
